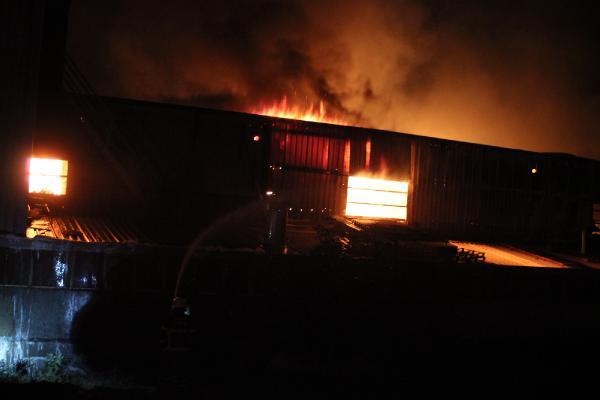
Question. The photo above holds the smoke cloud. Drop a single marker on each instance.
(521, 76)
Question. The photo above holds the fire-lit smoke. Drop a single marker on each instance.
(487, 72)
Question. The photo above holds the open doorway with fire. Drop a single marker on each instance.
(342, 188)
(357, 177)
(378, 184)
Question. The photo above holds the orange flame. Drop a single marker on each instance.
(282, 109)
(48, 176)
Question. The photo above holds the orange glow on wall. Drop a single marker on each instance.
(368, 154)
(48, 176)
(347, 157)
(377, 198)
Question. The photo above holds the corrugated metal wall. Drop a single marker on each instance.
(309, 172)
(380, 154)
(192, 158)
(310, 164)
(194, 166)
(460, 190)
(471, 190)
(445, 191)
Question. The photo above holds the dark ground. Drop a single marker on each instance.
(345, 330)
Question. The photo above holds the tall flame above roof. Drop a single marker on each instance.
(281, 109)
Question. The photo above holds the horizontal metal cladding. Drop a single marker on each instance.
(466, 189)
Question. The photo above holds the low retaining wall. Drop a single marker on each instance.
(35, 322)
(65, 297)
(97, 304)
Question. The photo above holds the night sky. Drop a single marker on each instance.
(522, 74)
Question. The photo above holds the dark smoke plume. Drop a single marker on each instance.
(520, 75)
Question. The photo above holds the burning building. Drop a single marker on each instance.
(170, 170)
(191, 166)
(93, 185)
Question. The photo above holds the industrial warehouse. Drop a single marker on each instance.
(112, 207)
(172, 170)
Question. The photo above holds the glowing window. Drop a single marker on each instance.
(377, 198)
(48, 176)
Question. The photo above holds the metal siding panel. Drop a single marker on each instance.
(310, 168)
(469, 196)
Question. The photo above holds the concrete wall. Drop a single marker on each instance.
(93, 303)
(272, 304)
(35, 322)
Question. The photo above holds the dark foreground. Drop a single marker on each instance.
(475, 331)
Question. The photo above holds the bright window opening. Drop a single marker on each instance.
(377, 198)
(48, 176)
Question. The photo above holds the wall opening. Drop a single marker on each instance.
(377, 198)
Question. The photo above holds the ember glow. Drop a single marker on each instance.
(376, 198)
(282, 109)
(48, 176)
